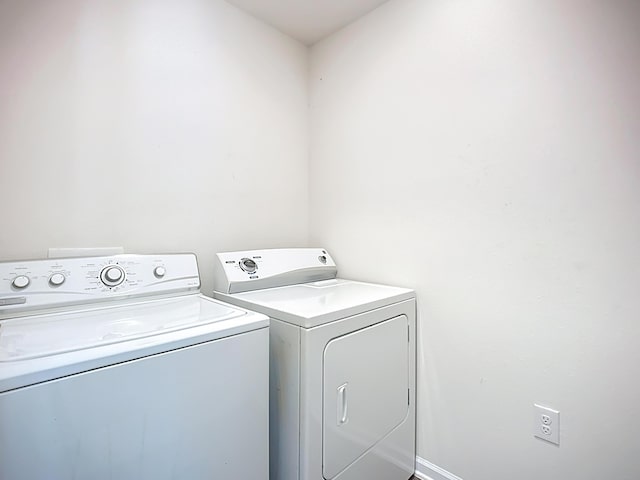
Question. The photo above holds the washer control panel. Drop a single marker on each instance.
(39, 284)
(237, 272)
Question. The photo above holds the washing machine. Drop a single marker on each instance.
(119, 368)
(342, 364)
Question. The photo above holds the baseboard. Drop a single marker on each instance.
(426, 470)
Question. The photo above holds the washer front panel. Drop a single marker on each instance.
(157, 417)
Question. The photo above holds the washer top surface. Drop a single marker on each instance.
(44, 347)
(51, 334)
(311, 304)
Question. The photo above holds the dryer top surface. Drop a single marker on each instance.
(311, 304)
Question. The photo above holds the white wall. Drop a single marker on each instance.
(484, 153)
(154, 125)
(487, 153)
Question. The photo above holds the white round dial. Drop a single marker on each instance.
(57, 279)
(21, 281)
(159, 272)
(248, 265)
(112, 275)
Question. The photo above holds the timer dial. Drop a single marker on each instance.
(159, 272)
(112, 275)
(248, 265)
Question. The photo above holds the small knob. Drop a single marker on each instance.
(159, 272)
(112, 276)
(248, 265)
(21, 281)
(57, 279)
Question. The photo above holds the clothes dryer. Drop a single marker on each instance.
(342, 365)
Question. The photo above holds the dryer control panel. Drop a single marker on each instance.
(244, 271)
(41, 284)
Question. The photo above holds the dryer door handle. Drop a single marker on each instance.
(342, 404)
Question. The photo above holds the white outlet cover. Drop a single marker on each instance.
(546, 424)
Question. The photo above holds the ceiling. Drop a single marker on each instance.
(307, 20)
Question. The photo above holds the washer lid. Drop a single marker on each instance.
(44, 347)
(51, 334)
(311, 304)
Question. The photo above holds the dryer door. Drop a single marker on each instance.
(365, 391)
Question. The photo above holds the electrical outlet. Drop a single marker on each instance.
(546, 424)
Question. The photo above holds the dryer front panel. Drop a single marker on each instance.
(365, 391)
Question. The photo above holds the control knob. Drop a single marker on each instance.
(21, 281)
(112, 276)
(57, 279)
(248, 265)
(159, 272)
